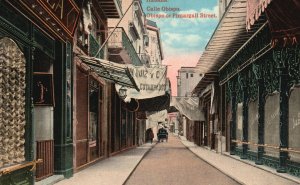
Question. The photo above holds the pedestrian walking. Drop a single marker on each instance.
(151, 135)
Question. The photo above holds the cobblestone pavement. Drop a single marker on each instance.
(172, 163)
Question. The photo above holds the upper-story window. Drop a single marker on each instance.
(187, 75)
(192, 75)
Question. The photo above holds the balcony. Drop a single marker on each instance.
(120, 48)
(111, 8)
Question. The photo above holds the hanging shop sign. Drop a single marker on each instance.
(151, 82)
(59, 15)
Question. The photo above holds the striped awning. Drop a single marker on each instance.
(117, 73)
(228, 37)
(254, 9)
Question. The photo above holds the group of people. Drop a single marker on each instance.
(161, 134)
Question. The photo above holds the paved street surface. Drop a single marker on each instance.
(172, 163)
(176, 162)
(243, 171)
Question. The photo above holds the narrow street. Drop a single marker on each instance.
(86, 84)
(172, 163)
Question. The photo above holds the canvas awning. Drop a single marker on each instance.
(254, 10)
(283, 18)
(117, 73)
(228, 37)
(188, 106)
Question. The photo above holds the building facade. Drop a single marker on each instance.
(90, 90)
(36, 44)
(258, 81)
(126, 45)
(154, 48)
(154, 55)
(187, 79)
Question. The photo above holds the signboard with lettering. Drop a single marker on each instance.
(59, 15)
(151, 81)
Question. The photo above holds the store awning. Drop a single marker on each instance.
(188, 106)
(117, 73)
(228, 37)
(284, 22)
(254, 10)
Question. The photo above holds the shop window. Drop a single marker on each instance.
(42, 79)
(94, 110)
(294, 125)
(272, 125)
(123, 127)
(253, 124)
(239, 123)
(42, 62)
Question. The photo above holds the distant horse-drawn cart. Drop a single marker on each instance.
(162, 135)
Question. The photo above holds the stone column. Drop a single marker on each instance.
(245, 122)
(233, 123)
(63, 136)
(284, 121)
(261, 121)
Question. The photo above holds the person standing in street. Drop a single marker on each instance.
(151, 135)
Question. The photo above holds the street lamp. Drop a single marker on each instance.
(123, 92)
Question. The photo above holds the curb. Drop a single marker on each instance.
(235, 179)
(245, 162)
(262, 167)
(138, 163)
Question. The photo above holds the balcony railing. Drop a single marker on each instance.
(119, 39)
(94, 47)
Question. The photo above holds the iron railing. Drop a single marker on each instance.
(94, 47)
(119, 39)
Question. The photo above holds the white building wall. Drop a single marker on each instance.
(136, 16)
(154, 49)
(188, 78)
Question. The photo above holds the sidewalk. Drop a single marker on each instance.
(243, 171)
(114, 170)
